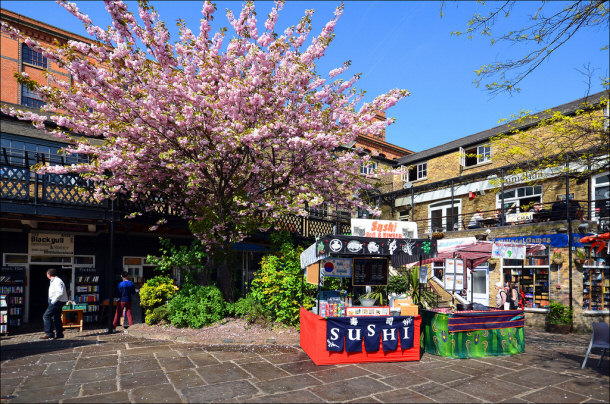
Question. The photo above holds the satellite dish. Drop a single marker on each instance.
(407, 185)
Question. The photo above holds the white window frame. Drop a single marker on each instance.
(482, 151)
(420, 170)
(445, 206)
(368, 168)
(595, 186)
(516, 200)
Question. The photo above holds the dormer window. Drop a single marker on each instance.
(416, 172)
(475, 155)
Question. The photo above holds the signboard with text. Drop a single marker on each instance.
(383, 228)
(50, 244)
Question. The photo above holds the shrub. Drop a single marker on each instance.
(559, 313)
(156, 292)
(279, 287)
(158, 315)
(196, 306)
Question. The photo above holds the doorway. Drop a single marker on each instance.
(39, 288)
(480, 286)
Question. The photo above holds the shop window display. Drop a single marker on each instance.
(532, 277)
(596, 281)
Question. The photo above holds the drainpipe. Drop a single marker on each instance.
(569, 231)
(502, 214)
(452, 200)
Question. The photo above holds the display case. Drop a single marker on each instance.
(87, 291)
(3, 314)
(532, 277)
(12, 280)
(596, 281)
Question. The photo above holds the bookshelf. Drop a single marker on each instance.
(3, 314)
(596, 281)
(87, 291)
(12, 280)
(532, 275)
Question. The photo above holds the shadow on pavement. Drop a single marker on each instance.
(27, 348)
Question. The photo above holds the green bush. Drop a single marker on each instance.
(399, 283)
(279, 287)
(158, 315)
(154, 293)
(195, 306)
(559, 313)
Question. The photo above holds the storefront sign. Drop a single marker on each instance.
(351, 332)
(448, 244)
(383, 228)
(553, 240)
(337, 267)
(51, 244)
(520, 217)
(508, 251)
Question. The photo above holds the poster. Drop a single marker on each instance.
(337, 267)
(508, 251)
(370, 272)
(423, 274)
(454, 274)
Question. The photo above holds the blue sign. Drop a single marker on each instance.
(350, 332)
(553, 240)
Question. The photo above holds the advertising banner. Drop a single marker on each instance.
(383, 228)
(508, 251)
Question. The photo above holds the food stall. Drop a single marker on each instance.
(476, 333)
(360, 334)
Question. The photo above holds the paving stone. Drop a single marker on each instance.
(222, 373)
(297, 368)
(559, 396)
(349, 389)
(32, 370)
(368, 399)
(149, 378)
(263, 370)
(97, 362)
(163, 393)
(92, 375)
(487, 388)
(287, 384)
(405, 379)
(138, 358)
(402, 396)
(107, 386)
(283, 358)
(299, 396)
(139, 366)
(202, 359)
(229, 356)
(40, 382)
(140, 351)
(60, 367)
(185, 378)
(340, 373)
(587, 387)
(443, 375)
(19, 361)
(221, 392)
(8, 385)
(116, 397)
(169, 353)
(444, 394)
(537, 378)
(171, 364)
(59, 357)
(54, 394)
(416, 366)
(382, 369)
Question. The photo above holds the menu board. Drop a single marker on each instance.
(370, 272)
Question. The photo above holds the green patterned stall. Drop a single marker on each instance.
(437, 340)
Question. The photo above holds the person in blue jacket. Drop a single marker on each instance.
(126, 289)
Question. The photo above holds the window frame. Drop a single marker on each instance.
(30, 98)
(369, 168)
(482, 155)
(33, 58)
(417, 172)
(516, 200)
(595, 186)
(445, 206)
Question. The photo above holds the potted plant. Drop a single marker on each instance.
(559, 318)
(580, 256)
(378, 294)
(557, 258)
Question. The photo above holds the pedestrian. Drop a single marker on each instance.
(512, 296)
(126, 289)
(57, 298)
(500, 296)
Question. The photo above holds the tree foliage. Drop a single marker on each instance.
(189, 260)
(230, 140)
(540, 36)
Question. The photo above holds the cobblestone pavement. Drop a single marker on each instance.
(92, 366)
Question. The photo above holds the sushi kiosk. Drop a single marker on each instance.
(335, 332)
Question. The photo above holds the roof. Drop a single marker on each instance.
(483, 136)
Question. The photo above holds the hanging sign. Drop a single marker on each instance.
(383, 228)
(337, 267)
(50, 244)
(350, 333)
(508, 251)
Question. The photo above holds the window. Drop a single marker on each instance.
(17, 148)
(30, 98)
(601, 196)
(531, 276)
(596, 280)
(416, 172)
(368, 168)
(440, 217)
(520, 199)
(32, 57)
(475, 155)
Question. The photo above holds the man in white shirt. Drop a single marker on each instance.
(57, 298)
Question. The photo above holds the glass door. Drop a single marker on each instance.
(478, 285)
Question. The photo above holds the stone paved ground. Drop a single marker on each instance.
(95, 367)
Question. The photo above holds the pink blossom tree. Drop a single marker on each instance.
(230, 139)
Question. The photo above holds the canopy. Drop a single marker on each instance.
(476, 254)
(401, 251)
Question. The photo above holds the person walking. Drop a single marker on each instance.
(500, 296)
(126, 289)
(512, 296)
(57, 298)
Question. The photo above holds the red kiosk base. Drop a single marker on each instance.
(313, 342)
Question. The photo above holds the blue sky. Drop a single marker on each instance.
(404, 45)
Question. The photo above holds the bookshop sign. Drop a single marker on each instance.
(51, 244)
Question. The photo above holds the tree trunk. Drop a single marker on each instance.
(225, 276)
